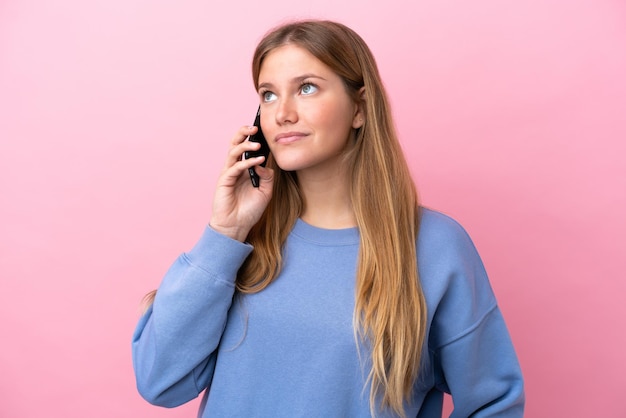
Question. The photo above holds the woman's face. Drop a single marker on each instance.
(306, 113)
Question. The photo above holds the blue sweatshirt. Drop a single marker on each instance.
(290, 351)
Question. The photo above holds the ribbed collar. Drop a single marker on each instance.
(325, 237)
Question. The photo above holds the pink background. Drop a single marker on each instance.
(115, 118)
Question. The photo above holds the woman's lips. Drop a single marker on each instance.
(289, 137)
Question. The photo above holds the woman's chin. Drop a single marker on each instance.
(289, 164)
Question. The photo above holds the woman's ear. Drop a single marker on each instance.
(359, 115)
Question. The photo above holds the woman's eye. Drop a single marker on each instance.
(268, 96)
(308, 89)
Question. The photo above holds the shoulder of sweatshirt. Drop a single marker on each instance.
(453, 278)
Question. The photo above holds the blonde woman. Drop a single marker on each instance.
(326, 291)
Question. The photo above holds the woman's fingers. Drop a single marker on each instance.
(240, 144)
(237, 205)
(233, 173)
(242, 134)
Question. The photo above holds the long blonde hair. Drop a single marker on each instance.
(390, 310)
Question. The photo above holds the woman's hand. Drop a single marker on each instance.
(237, 205)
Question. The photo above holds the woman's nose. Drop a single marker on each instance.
(287, 111)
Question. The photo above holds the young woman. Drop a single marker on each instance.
(327, 291)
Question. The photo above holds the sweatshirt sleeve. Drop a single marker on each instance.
(482, 372)
(175, 341)
(469, 341)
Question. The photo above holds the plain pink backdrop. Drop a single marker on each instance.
(115, 118)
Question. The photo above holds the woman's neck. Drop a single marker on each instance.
(327, 200)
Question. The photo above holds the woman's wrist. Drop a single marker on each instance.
(235, 233)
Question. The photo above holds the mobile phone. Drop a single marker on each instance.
(263, 151)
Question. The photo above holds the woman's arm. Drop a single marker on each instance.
(175, 341)
(481, 371)
(473, 355)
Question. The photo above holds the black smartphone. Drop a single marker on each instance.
(264, 150)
